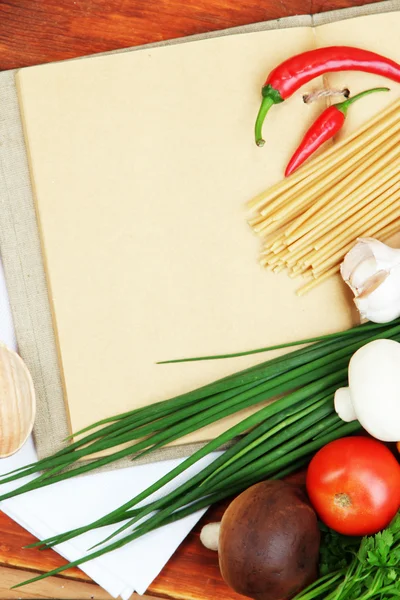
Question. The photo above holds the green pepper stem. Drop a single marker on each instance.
(343, 106)
(266, 104)
(270, 96)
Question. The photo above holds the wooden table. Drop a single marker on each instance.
(38, 31)
(191, 574)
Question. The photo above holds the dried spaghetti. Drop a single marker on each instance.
(310, 220)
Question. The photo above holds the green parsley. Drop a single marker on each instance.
(336, 550)
(373, 573)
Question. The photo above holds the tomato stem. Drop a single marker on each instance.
(343, 500)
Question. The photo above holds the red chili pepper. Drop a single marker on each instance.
(290, 75)
(323, 129)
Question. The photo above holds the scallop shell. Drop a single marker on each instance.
(17, 402)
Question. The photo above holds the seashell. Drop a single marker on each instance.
(17, 402)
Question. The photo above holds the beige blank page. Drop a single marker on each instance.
(142, 163)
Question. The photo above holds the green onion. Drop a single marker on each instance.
(365, 327)
(273, 441)
(175, 515)
(276, 377)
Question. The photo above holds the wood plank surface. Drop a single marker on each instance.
(191, 574)
(53, 587)
(39, 31)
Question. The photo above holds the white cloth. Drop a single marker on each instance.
(76, 502)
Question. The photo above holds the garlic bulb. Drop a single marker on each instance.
(372, 270)
(373, 395)
(17, 402)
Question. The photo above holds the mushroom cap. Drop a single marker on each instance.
(269, 542)
(374, 383)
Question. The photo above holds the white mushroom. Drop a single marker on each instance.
(373, 395)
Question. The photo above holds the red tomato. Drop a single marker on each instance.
(354, 485)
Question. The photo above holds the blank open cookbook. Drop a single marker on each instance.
(141, 164)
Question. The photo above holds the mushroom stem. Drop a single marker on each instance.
(209, 536)
(373, 395)
(344, 405)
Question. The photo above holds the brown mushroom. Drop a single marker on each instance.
(268, 543)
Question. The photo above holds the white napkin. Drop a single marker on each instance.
(76, 502)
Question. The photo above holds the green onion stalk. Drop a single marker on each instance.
(274, 441)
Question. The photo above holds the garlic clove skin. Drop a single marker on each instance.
(382, 305)
(372, 270)
(373, 395)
